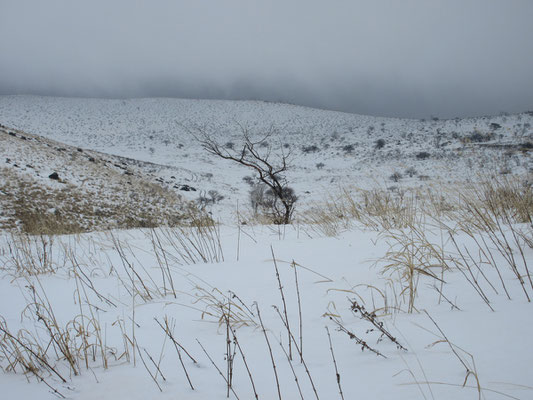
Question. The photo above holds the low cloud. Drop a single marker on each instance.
(415, 58)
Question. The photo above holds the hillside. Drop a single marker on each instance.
(329, 150)
(48, 186)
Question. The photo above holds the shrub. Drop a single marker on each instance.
(270, 168)
(396, 177)
(411, 171)
(423, 155)
(310, 149)
(478, 137)
(380, 143)
(212, 197)
(348, 149)
(263, 200)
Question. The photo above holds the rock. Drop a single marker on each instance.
(54, 176)
(187, 188)
(80, 150)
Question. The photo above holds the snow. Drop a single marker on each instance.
(331, 271)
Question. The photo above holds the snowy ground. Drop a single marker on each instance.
(99, 296)
(330, 272)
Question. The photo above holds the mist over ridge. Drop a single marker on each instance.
(411, 59)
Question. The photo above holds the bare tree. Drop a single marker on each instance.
(270, 168)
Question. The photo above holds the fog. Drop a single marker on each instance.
(448, 58)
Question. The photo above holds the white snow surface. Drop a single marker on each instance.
(331, 271)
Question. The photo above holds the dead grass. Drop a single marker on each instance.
(376, 209)
(33, 208)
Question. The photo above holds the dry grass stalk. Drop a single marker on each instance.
(410, 256)
(218, 369)
(280, 287)
(241, 352)
(470, 370)
(491, 210)
(374, 209)
(372, 318)
(299, 352)
(199, 243)
(353, 336)
(337, 374)
(300, 319)
(27, 255)
(289, 361)
(169, 332)
(54, 346)
(162, 261)
(269, 350)
(133, 275)
(23, 350)
(218, 306)
(472, 280)
(154, 377)
(230, 355)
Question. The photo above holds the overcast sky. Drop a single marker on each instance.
(411, 58)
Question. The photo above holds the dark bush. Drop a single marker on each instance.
(395, 177)
(348, 149)
(380, 143)
(310, 149)
(423, 155)
(478, 137)
(264, 200)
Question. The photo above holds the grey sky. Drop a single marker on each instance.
(397, 58)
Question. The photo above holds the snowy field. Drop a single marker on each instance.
(418, 290)
(109, 289)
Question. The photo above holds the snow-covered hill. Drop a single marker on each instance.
(328, 149)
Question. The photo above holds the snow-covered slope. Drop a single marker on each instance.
(328, 149)
(44, 180)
